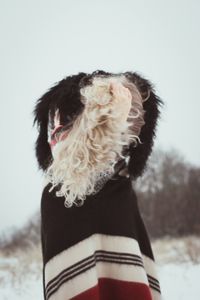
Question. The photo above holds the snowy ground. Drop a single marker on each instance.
(178, 263)
(20, 275)
(180, 281)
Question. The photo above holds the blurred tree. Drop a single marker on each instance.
(169, 195)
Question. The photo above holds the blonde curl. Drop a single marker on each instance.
(95, 141)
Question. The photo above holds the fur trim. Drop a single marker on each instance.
(84, 99)
(64, 94)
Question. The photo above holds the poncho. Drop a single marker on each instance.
(100, 250)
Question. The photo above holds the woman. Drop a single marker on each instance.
(96, 133)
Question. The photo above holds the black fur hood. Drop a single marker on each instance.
(65, 95)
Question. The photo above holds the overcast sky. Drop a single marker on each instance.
(44, 41)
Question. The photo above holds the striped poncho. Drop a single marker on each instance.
(99, 251)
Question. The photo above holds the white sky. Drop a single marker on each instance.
(44, 41)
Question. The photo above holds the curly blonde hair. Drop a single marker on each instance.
(95, 141)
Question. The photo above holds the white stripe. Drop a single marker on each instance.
(89, 278)
(156, 295)
(151, 269)
(86, 248)
(150, 266)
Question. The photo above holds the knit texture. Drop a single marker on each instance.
(100, 250)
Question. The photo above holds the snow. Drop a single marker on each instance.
(180, 281)
(26, 286)
(31, 290)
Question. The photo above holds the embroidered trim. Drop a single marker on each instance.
(104, 176)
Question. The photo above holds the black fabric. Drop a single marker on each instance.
(114, 210)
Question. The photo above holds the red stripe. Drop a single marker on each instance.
(113, 289)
